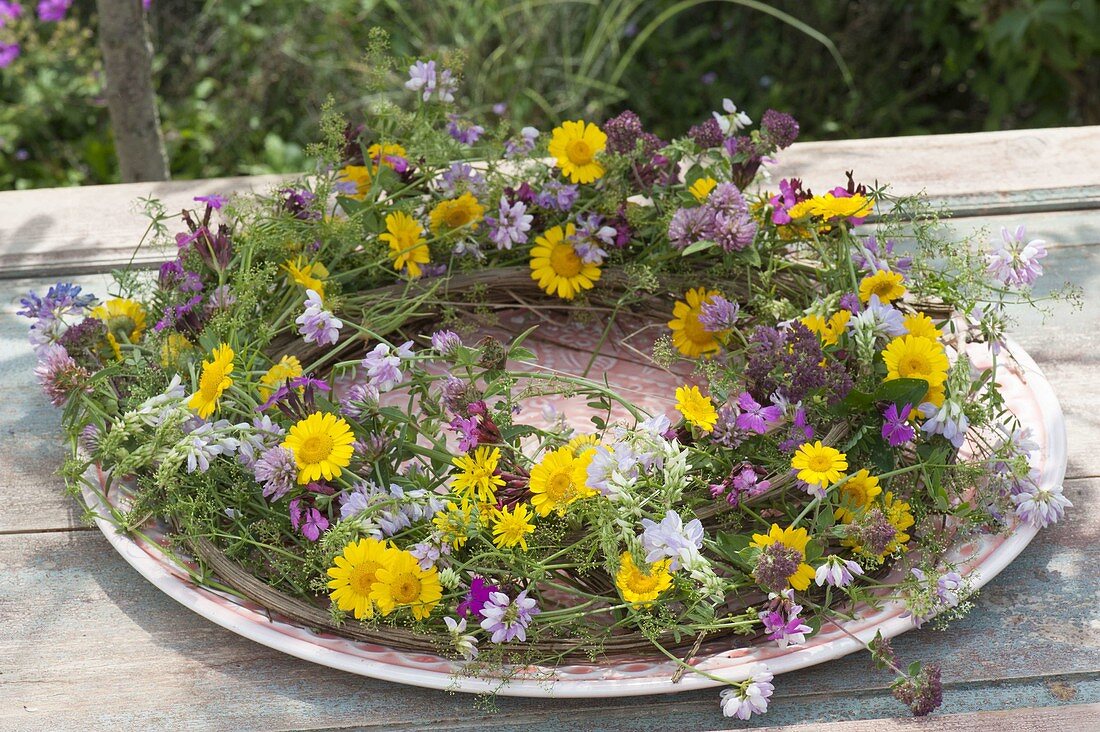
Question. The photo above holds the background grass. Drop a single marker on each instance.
(240, 82)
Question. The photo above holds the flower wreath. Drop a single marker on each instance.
(306, 393)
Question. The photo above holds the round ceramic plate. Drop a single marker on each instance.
(981, 558)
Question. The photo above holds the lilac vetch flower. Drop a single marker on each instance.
(883, 320)
(557, 195)
(672, 539)
(742, 483)
(462, 131)
(221, 298)
(1014, 261)
(461, 177)
(511, 226)
(311, 521)
(206, 442)
(467, 429)
(718, 314)
(424, 78)
(298, 203)
(523, 145)
(428, 553)
(382, 365)
(850, 301)
(754, 417)
(214, 200)
(508, 619)
(622, 461)
(1040, 506)
(476, 597)
(707, 135)
(779, 128)
(277, 471)
(317, 324)
(60, 375)
(749, 697)
(947, 588)
(836, 571)
(465, 644)
(691, 225)
(733, 120)
(870, 256)
(388, 510)
(53, 10)
(896, 429)
(446, 341)
(8, 53)
(948, 420)
(785, 629)
(800, 431)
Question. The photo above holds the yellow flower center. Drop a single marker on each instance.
(579, 152)
(361, 577)
(560, 487)
(820, 463)
(564, 260)
(210, 382)
(642, 583)
(914, 364)
(315, 448)
(457, 217)
(405, 588)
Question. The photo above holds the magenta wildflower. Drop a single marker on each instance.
(8, 53)
(896, 429)
(785, 629)
(790, 193)
(214, 200)
(467, 429)
(754, 417)
(311, 521)
(9, 11)
(53, 10)
(508, 619)
(476, 597)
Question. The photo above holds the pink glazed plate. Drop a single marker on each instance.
(1026, 391)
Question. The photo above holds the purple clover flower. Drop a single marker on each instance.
(691, 225)
(277, 471)
(508, 619)
(60, 375)
(446, 341)
(896, 429)
(9, 11)
(718, 314)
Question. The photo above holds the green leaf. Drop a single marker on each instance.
(730, 545)
(698, 246)
(901, 391)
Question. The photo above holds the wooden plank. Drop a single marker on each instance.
(87, 642)
(1078, 717)
(96, 228)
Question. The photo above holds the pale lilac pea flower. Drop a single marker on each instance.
(318, 325)
(506, 619)
(749, 697)
(465, 644)
(1014, 261)
(837, 572)
(672, 539)
(1040, 506)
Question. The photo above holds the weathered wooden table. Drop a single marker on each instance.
(86, 643)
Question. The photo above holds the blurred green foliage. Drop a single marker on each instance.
(241, 82)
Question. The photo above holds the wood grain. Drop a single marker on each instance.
(1081, 717)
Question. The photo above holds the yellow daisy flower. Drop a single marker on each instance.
(558, 481)
(701, 188)
(921, 325)
(454, 523)
(791, 538)
(456, 213)
(915, 357)
(407, 244)
(574, 147)
(688, 334)
(400, 582)
(856, 495)
(819, 464)
(288, 367)
(378, 153)
(638, 587)
(321, 444)
(828, 330)
(511, 527)
(887, 285)
(353, 573)
(698, 410)
(310, 275)
(556, 266)
(582, 443)
(125, 321)
(830, 207)
(478, 479)
(213, 381)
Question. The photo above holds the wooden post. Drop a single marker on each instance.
(131, 101)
